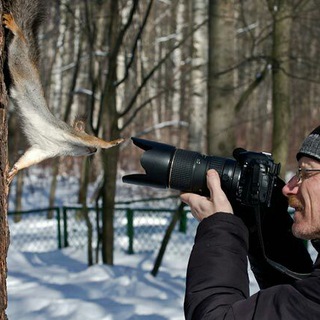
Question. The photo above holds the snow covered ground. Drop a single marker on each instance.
(58, 284)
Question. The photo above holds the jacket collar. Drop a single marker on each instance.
(316, 245)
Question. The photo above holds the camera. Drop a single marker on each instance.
(249, 177)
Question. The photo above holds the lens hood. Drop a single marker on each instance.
(156, 161)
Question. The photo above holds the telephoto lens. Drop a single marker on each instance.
(249, 177)
(169, 167)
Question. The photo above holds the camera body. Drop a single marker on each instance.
(249, 177)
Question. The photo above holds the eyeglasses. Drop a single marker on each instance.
(304, 173)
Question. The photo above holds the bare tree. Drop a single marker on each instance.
(4, 238)
(282, 22)
(196, 13)
(221, 77)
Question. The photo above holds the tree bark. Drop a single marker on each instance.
(4, 228)
(198, 96)
(282, 23)
(110, 122)
(18, 199)
(83, 192)
(221, 138)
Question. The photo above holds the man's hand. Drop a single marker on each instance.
(202, 207)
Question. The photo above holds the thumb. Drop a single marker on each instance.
(213, 182)
(217, 196)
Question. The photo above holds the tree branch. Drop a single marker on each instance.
(156, 67)
(133, 51)
(246, 94)
(123, 31)
(145, 103)
(162, 125)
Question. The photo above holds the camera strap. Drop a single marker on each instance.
(275, 265)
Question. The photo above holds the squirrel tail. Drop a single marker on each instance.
(28, 14)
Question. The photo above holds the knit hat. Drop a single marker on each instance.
(311, 146)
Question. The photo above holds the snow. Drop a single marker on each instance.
(58, 284)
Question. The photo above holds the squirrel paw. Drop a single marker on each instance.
(12, 174)
(115, 142)
(9, 23)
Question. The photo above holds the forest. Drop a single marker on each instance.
(207, 76)
(201, 75)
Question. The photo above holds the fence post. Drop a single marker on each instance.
(183, 222)
(59, 228)
(130, 230)
(65, 227)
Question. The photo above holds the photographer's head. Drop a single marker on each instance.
(303, 189)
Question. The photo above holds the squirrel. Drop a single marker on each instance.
(48, 136)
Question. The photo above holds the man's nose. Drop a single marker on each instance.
(291, 187)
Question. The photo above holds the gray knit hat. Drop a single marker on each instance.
(311, 146)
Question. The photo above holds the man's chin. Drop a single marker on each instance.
(299, 232)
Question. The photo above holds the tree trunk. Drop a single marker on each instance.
(111, 131)
(19, 193)
(83, 192)
(53, 185)
(221, 117)
(14, 149)
(110, 161)
(282, 23)
(4, 234)
(57, 101)
(198, 97)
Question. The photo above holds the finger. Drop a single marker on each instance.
(213, 182)
(189, 198)
(217, 195)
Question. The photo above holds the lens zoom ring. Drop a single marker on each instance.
(182, 170)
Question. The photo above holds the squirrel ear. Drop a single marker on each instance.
(79, 123)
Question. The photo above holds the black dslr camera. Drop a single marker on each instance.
(248, 178)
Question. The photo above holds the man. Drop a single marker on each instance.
(217, 280)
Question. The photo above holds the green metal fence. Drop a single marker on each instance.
(32, 230)
(136, 229)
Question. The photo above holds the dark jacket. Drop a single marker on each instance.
(217, 278)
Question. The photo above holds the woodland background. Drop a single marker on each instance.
(202, 75)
